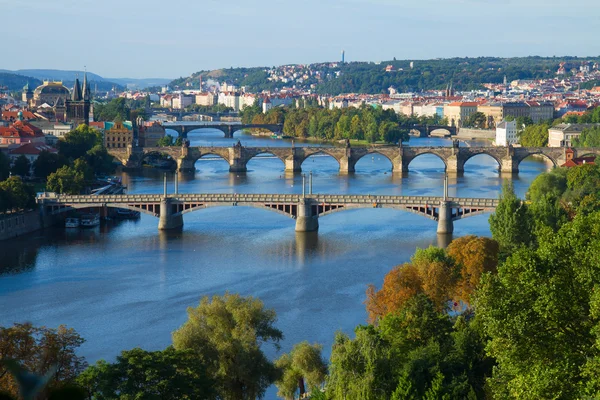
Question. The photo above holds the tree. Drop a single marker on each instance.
(139, 374)
(4, 166)
(302, 367)
(510, 223)
(590, 137)
(114, 109)
(438, 274)
(534, 136)
(17, 195)
(79, 141)
(46, 163)
(66, 180)
(477, 120)
(227, 332)
(475, 256)
(99, 160)
(41, 349)
(21, 166)
(165, 141)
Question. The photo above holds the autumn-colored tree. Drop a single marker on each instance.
(474, 255)
(399, 285)
(438, 274)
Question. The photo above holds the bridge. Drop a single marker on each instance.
(454, 158)
(228, 128)
(304, 208)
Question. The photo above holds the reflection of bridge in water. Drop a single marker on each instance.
(304, 208)
(454, 158)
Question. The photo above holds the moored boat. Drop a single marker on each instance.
(127, 214)
(72, 223)
(89, 220)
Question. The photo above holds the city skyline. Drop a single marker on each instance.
(152, 43)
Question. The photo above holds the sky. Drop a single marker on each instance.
(169, 39)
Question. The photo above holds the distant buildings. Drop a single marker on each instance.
(562, 135)
(150, 134)
(458, 112)
(21, 132)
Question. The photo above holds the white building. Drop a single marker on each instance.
(206, 99)
(230, 99)
(182, 101)
(506, 133)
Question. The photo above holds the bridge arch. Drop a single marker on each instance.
(373, 153)
(518, 159)
(320, 152)
(428, 153)
(251, 205)
(481, 155)
(440, 132)
(266, 153)
(72, 207)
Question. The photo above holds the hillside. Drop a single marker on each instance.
(16, 82)
(369, 77)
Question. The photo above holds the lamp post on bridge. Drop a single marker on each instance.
(165, 184)
(310, 183)
(303, 185)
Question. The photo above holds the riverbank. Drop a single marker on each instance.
(21, 223)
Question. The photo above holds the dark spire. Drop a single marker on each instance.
(86, 87)
(76, 94)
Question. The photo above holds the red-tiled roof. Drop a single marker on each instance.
(33, 149)
(14, 115)
(579, 161)
(21, 129)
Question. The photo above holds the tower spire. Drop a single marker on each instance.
(86, 85)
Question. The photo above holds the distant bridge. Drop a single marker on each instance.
(228, 128)
(305, 209)
(454, 158)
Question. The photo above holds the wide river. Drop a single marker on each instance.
(125, 284)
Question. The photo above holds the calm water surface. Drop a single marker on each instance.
(124, 284)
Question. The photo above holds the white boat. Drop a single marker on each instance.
(90, 220)
(72, 223)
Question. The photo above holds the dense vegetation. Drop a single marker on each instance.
(15, 82)
(369, 77)
(371, 124)
(121, 109)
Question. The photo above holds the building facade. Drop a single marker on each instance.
(119, 135)
(562, 135)
(78, 106)
(506, 133)
(458, 112)
(149, 135)
(21, 132)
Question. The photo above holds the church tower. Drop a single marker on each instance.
(27, 95)
(78, 106)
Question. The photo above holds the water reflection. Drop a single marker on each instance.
(307, 244)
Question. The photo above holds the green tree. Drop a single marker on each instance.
(46, 163)
(4, 166)
(510, 223)
(17, 195)
(590, 137)
(534, 136)
(227, 332)
(66, 180)
(99, 160)
(21, 166)
(139, 374)
(79, 141)
(476, 120)
(165, 141)
(302, 367)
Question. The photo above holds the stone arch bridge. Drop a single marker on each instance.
(454, 158)
(305, 209)
(227, 128)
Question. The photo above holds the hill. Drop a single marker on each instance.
(369, 77)
(15, 82)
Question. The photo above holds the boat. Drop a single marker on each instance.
(89, 220)
(127, 214)
(72, 223)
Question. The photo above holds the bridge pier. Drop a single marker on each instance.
(167, 220)
(306, 221)
(237, 165)
(508, 166)
(454, 165)
(186, 165)
(292, 165)
(347, 165)
(445, 224)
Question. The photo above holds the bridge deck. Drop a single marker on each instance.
(266, 198)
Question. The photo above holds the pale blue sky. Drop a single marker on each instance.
(151, 38)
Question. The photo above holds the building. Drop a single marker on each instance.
(182, 101)
(494, 113)
(21, 132)
(49, 92)
(506, 133)
(78, 106)
(515, 109)
(575, 161)
(149, 135)
(562, 135)
(540, 111)
(120, 134)
(266, 105)
(53, 130)
(206, 99)
(27, 96)
(458, 112)
(31, 151)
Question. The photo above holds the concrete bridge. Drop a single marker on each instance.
(425, 130)
(454, 158)
(228, 128)
(305, 209)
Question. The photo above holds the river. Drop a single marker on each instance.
(124, 284)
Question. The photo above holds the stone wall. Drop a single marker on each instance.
(17, 224)
(465, 133)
